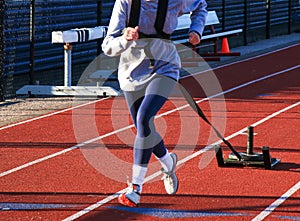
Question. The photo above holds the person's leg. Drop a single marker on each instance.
(143, 111)
(156, 94)
(147, 139)
(161, 86)
(143, 108)
(134, 100)
(132, 196)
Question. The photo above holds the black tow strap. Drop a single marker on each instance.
(198, 110)
(159, 24)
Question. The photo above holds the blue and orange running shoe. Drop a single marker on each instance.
(131, 197)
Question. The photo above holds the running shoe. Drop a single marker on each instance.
(170, 179)
(131, 197)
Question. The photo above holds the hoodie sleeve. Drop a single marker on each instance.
(198, 14)
(115, 43)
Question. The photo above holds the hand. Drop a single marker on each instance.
(131, 34)
(194, 38)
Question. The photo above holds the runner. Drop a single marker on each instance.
(148, 70)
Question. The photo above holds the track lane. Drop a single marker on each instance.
(9, 138)
(150, 185)
(242, 192)
(253, 186)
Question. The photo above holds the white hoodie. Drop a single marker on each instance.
(134, 71)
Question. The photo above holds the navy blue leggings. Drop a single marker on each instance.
(143, 106)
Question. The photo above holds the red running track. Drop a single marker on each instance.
(46, 175)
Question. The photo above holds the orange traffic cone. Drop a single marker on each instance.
(225, 46)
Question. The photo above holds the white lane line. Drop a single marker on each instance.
(37, 161)
(130, 126)
(247, 59)
(63, 151)
(71, 108)
(275, 114)
(50, 114)
(240, 132)
(232, 89)
(184, 160)
(94, 206)
(277, 203)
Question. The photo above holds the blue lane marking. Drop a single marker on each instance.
(33, 206)
(166, 213)
(288, 217)
(265, 95)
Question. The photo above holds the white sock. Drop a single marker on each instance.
(166, 162)
(138, 175)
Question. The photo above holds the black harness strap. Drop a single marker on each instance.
(161, 16)
(134, 13)
(161, 13)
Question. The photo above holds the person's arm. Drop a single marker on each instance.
(118, 38)
(198, 18)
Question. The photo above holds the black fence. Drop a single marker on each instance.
(27, 54)
(2, 50)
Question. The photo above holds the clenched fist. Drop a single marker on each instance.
(194, 38)
(131, 34)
